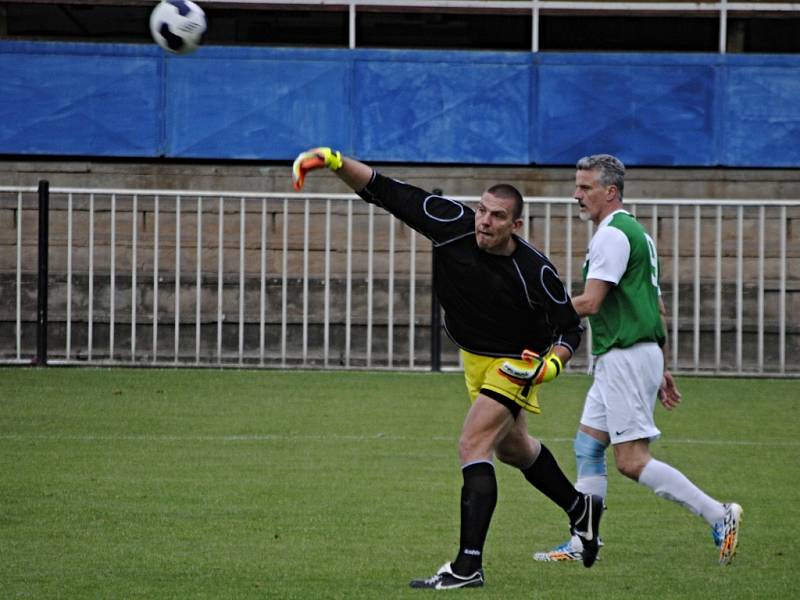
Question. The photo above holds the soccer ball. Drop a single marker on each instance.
(178, 25)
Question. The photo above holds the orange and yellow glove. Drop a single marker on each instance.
(540, 370)
(548, 368)
(316, 158)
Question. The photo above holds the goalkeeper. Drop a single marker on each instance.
(514, 323)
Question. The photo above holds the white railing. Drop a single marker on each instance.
(536, 8)
(182, 278)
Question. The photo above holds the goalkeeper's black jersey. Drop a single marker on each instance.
(494, 305)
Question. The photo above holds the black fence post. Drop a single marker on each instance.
(44, 233)
(436, 314)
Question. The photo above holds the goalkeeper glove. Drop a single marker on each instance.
(541, 370)
(316, 158)
(549, 368)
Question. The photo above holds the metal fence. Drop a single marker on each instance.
(537, 8)
(185, 278)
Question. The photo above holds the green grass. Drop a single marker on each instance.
(268, 484)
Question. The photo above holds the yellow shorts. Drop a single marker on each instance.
(483, 373)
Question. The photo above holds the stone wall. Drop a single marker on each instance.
(454, 180)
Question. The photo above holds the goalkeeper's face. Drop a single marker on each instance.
(495, 223)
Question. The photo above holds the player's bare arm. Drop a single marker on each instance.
(589, 302)
(563, 353)
(668, 393)
(354, 173)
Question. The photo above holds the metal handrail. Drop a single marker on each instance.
(347, 196)
(533, 7)
(539, 7)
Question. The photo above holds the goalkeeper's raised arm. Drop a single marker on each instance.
(437, 218)
(501, 297)
(354, 173)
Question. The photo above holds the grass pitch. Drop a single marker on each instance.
(308, 485)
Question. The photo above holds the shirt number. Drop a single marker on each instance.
(651, 248)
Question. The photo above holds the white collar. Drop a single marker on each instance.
(608, 218)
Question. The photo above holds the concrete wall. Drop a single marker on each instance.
(454, 180)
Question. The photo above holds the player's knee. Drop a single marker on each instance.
(472, 448)
(464, 447)
(590, 455)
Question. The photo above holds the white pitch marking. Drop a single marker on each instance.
(268, 437)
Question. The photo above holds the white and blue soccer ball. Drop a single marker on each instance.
(178, 25)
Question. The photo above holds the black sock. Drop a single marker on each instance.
(478, 499)
(547, 477)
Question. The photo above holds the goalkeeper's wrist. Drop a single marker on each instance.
(552, 366)
(557, 363)
(333, 160)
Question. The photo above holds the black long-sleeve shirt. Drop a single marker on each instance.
(494, 305)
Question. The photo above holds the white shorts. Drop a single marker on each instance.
(623, 396)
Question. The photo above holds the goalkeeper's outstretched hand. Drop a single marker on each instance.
(316, 158)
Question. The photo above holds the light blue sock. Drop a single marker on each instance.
(590, 458)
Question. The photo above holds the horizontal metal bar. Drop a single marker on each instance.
(746, 202)
(483, 6)
(527, 6)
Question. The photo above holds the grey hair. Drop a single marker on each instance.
(612, 171)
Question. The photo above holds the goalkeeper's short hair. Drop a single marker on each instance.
(506, 190)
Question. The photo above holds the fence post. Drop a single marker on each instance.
(42, 273)
(436, 314)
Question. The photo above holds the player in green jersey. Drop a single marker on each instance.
(622, 300)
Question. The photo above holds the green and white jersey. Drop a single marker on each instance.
(621, 252)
